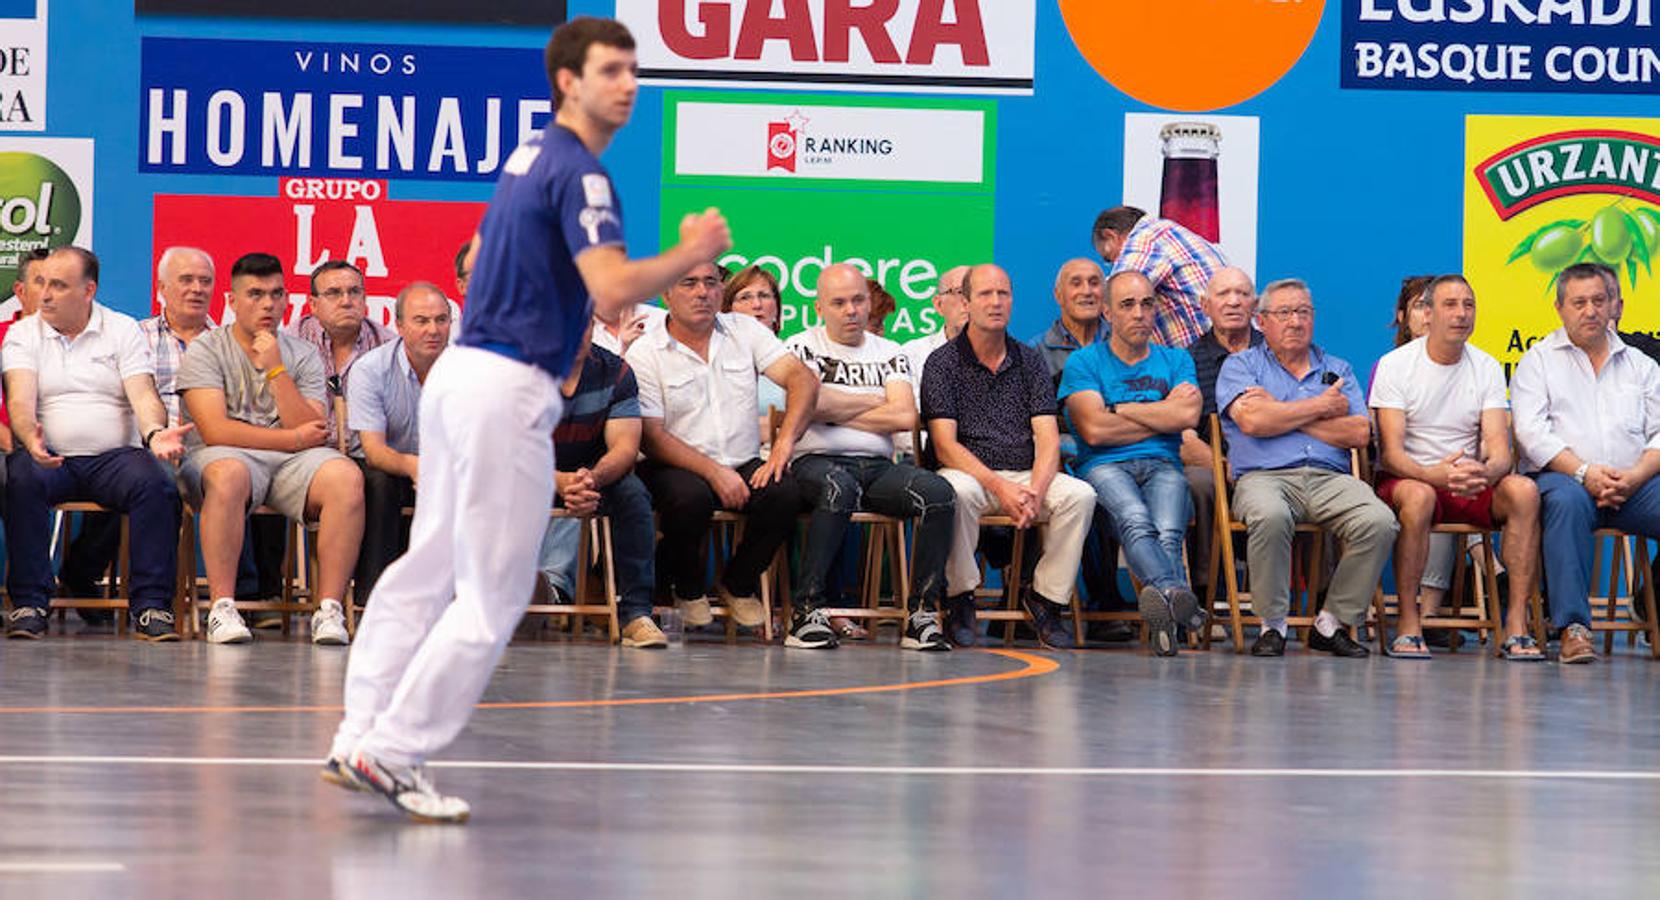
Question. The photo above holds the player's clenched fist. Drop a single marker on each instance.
(706, 233)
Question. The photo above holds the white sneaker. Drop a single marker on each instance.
(408, 788)
(224, 624)
(328, 625)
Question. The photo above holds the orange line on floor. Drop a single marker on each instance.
(1034, 666)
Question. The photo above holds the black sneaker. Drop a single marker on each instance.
(1339, 644)
(960, 620)
(1052, 632)
(922, 632)
(1269, 643)
(1160, 618)
(811, 631)
(27, 623)
(1184, 604)
(155, 625)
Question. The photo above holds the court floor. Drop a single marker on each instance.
(716, 770)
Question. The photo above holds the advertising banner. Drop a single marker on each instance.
(23, 65)
(1577, 46)
(336, 110)
(858, 188)
(941, 46)
(1542, 193)
(394, 242)
(509, 12)
(1199, 171)
(45, 196)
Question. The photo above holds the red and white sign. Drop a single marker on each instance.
(313, 220)
(937, 46)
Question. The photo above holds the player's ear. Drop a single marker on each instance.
(567, 79)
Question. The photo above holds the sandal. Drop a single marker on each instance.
(1409, 646)
(1522, 648)
(849, 630)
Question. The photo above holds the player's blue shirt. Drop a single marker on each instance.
(526, 300)
(1097, 368)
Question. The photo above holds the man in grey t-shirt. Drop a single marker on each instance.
(256, 396)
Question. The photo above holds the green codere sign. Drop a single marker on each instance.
(903, 189)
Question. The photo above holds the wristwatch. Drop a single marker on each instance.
(150, 436)
(1112, 408)
(1579, 473)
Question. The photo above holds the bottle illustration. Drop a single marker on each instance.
(1188, 195)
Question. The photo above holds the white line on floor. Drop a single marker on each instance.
(58, 868)
(924, 771)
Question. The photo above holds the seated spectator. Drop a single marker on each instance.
(1291, 414)
(1230, 302)
(1587, 411)
(697, 378)
(1444, 440)
(80, 381)
(257, 397)
(383, 401)
(1078, 291)
(753, 292)
(1129, 402)
(27, 286)
(1646, 343)
(990, 408)
(950, 305)
(339, 328)
(1177, 261)
(844, 461)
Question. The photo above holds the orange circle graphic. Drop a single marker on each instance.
(1192, 55)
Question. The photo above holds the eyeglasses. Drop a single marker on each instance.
(1294, 312)
(754, 296)
(335, 293)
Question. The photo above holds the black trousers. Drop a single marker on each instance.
(385, 530)
(685, 503)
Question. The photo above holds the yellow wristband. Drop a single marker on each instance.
(272, 373)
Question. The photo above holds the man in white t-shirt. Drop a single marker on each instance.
(80, 380)
(844, 461)
(1444, 430)
(697, 373)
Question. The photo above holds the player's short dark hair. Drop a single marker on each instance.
(89, 260)
(257, 265)
(333, 265)
(1119, 220)
(26, 259)
(568, 48)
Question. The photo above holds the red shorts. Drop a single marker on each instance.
(1449, 507)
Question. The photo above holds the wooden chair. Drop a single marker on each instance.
(1629, 568)
(1225, 559)
(593, 544)
(115, 596)
(299, 568)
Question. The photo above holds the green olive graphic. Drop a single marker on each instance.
(1648, 222)
(1609, 237)
(1557, 247)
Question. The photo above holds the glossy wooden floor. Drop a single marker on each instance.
(1031, 774)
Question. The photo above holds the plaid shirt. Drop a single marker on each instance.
(369, 336)
(1180, 264)
(168, 349)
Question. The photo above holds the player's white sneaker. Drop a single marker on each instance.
(408, 788)
(224, 624)
(328, 625)
(334, 772)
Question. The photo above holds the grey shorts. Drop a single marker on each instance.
(275, 479)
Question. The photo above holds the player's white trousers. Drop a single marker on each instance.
(441, 615)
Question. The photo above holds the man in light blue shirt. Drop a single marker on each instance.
(1291, 414)
(1128, 402)
(383, 400)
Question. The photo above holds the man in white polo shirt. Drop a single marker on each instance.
(1444, 433)
(697, 374)
(844, 461)
(82, 394)
(1588, 427)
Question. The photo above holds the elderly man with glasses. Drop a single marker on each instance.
(1291, 413)
(339, 327)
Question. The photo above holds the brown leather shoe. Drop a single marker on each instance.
(1576, 646)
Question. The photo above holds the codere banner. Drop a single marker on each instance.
(1542, 193)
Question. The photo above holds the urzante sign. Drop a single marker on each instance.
(339, 110)
(23, 65)
(310, 221)
(955, 46)
(1581, 46)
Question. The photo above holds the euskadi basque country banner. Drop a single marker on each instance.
(1579, 46)
(518, 12)
(394, 242)
(338, 110)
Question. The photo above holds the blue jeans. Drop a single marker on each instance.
(1147, 504)
(127, 480)
(1568, 516)
(628, 505)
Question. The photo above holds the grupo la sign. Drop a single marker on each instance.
(945, 46)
